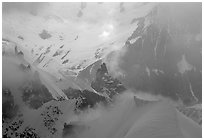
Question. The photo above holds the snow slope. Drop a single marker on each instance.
(152, 120)
(72, 42)
(164, 121)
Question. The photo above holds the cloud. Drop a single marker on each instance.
(12, 75)
(32, 7)
(95, 120)
(113, 120)
(131, 64)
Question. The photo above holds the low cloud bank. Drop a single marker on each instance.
(150, 64)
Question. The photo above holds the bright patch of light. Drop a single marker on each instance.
(105, 34)
(107, 29)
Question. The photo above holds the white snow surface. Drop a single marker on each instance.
(155, 119)
(101, 26)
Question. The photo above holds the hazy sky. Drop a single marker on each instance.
(94, 25)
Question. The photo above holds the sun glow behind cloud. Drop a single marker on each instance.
(104, 20)
(107, 31)
(100, 25)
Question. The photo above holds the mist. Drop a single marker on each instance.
(179, 33)
(28, 7)
(123, 116)
(12, 75)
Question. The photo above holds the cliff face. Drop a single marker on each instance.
(163, 54)
(104, 83)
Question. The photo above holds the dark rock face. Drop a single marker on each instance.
(141, 102)
(99, 79)
(105, 83)
(66, 54)
(12, 120)
(18, 53)
(165, 58)
(72, 129)
(84, 98)
(98, 53)
(89, 73)
(20, 37)
(68, 130)
(39, 59)
(28, 133)
(193, 113)
(9, 109)
(45, 35)
(65, 61)
(58, 52)
(11, 131)
(47, 50)
(24, 67)
(50, 116)
(35, 94)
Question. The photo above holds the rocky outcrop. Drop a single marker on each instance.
(104, 83)
(35, 94)
(84, 98)
(9, 108)
(164, 57)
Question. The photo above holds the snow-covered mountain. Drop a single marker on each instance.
(56, 43)
(166, 55)
(101, 70)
